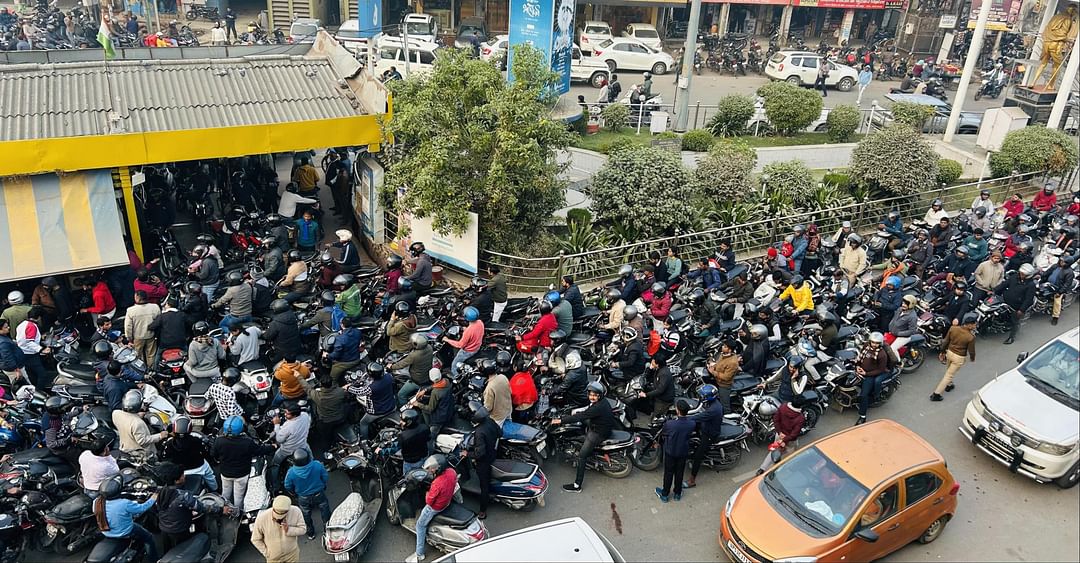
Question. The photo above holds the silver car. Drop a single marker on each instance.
(969, 121)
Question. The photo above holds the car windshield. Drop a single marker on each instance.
(304, 29)
(348, 34)
(820, 497)
(418, 28)
(598, 30)
(646, 33)
(1055, 370)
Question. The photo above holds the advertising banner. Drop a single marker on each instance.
(369, 17)
(846, 4)
(461, 252)
(369, 213)
(547, 25)
(1003, 14)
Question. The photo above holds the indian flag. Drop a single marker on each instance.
(105, 40)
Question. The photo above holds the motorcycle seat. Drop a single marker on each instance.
(73, 508)
(107, 549)
(347, 434)
(510, 470)
(80, 370)
(440, 291)
(810, 396)
(199, 386)
(367, 322)
(83, 390)
(916, 339)
(846, 332)
(455, 516)
(591, 311)
(252, 366)
(615, 404)
(846, 355)
(728, 326)
(730, 431)
(744, 382)
(774, 364)
(190, 550)
(578, 338)
(617, 437)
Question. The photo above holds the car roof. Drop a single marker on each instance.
(642, 25)
(798, 52)
(306, 21)
(922, 99)
(569, 539)
(350, 25)
(596, 22)
(873, 453)
(622, 39)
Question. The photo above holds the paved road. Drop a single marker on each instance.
(1001, 516)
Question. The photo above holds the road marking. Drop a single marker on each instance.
(745, 476)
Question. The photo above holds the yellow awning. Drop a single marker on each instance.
(55, 224)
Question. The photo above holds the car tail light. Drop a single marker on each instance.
(780, 66)
(261, 384)
(487, 51)
(596, 51)
(955, 489)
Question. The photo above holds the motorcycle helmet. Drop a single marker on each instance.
(877, 337)
(181, 425)
(436, 462)
(294, 256)
(342, 281)
(936, 204)
(233, 426)
(758, 332)
(102, 350)
(573, 360)
(200, 251)
(410, 418)
(799, 229)
(16, 297)
(795, 360)
(659, 289)
(553, 297)
(595, 387)
(854, 239)
(393, 262)
(132, 401)
(911, 300)
(194, 288)
(478, 283)
(970, 318)
(301, 457)
(403, 308)
(647, 75)
(1027, 270)
(230, 376)
(630, 312)
(503, 360)
(893, 215)
(899, 255)
(962, 250)
(419, 341)
(375, 370)
(57, 406)
(268, 241)
(478, 413)
(611, 297)
(234, 278)
(201, 328)
(545, 307)
(893, 281)
(327, 297)
(629, 334)
(557, 337)
(707, 393)
(279, 306)
(488, 367)
(625, 270)
(1024, 247)
(326, 259)
(960, 284)
(717, 296)
(697, 296)
(471, 314)
(273, 220)
(980, 212)
(405, 285)
(827, 317)
(750, 308)
(797, 281)
(111, 488)
(766, 408)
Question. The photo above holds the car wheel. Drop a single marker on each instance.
(794, 79)
(845, 84)
(610, 65)
(934, 530)
(659, 68)
(1069, 480)
(823, 128)
(597, 79)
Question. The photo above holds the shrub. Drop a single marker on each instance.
(949, 171)
(646, 187)
(895, 159)
(726, 173)
(842, 122)
(697, 140)
(732, 114)
(618, 145)
(840, 180)
(790, 108)
(578, 215)
(1034, 149)
(615, 117)
(581, 124)
(791, 178)
(912, 114)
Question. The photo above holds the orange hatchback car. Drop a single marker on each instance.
(856, 495)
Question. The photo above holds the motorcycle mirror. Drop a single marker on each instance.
(1021, 357)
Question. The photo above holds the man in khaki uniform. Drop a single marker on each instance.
(276, 529)
(956, 347)
(137, 323)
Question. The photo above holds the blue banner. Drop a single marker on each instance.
(547, 25)
(369, 17)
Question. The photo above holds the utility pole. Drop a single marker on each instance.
(682, 109)
(405, 45)
(1063, 91)
(969, 69)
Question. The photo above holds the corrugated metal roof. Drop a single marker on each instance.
(70, 100)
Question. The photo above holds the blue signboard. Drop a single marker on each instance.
(547, 25)
(369, 17)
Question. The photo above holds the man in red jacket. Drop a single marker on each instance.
(104, 304)
(151, 285)
(788, 421)
(439, 496)
(541, 331)
(1045, 200)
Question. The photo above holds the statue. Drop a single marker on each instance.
(1057, 38)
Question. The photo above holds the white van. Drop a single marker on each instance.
(1028, 418)
(391, 53)
(566, 540)
(349, 37)
(421, 27)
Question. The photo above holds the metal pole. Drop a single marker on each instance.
(405, 45)
(969, 69)
(682, 111)
(1063, 92)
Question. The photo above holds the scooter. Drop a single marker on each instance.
(453, 528)
(519, 485)
(215, 544)
(257, 497)
(350, 528)
(912, 354)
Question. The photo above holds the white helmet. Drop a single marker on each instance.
(16, 297)
(766, 408)
(877, 337)
(573, 359)
(1027, 270)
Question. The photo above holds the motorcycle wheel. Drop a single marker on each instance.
(729, 461)
(646, 457)
(191, 15)
(913, 363)
(811, 416)
(62, 544)
(618, 466)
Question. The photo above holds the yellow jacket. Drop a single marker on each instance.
(802, 298)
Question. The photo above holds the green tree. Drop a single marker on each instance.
(791, 178)
(466, 141)
(842, 122)
(1034, 149)
(733, 112)
(895, 159)
(697, 140)
(912, 114)
(644, 187)
(725, 174)
(615, 116)
(949, 171)
(790, 108)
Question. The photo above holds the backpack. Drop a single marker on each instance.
(336, 314)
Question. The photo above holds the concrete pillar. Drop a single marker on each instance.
(1063, 91)
(725, 13)
(969, 69)
(1036, 48)
(785, 23)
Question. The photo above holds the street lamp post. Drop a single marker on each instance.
(682, 109)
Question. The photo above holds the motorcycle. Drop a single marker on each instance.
(519, 485)
(453, 528)
(912, 355)
(196, 11)
(611, 457)
(722, 454)
(991, 86)
(843, 384)
(351, 525)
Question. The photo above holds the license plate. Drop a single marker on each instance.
(197, 422)
(736, 553)
(343, 556)
(541, 447)
(52, 530)
(178, 381)
(261, 396)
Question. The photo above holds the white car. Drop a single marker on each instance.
(304, 30)
(761, 120)
(801, 68)
(495, 49)
(421, 27)
(631, 54)
(349, 37)
(645, 33)
(1028, 418)
(588, 69)
(566, 540)
(390, 52)
(593, 33)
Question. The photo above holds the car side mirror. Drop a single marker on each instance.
(867, 535)
(1021, 357)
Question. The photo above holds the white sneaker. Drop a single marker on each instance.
(414, 558)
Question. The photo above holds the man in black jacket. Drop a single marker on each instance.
(958, 303)
(710, 423)
(171, 328)
(600, 421)
(572, 294)
(284, 330)
(1018, 292)
(571, 391)
(176, 505)
(661, 394)
(236, 453)
(482, 451)
(756, 353)
(1061, 277)
(631, 359)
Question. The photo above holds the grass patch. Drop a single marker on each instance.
(602, 140)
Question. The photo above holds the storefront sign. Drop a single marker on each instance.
(771, 2)
(460, 251)
(369, 17)
(365, 201)
(947, 22)
(1003, 14)
(845, 25)
(547, 25)
(845, 4)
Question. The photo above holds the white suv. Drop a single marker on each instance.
(593, 33)
(801, 68)
(1029, 417)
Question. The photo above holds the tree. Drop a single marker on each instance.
(791, 178)
(1034, 149)
(733, 112)
(842, 122)
(466, 141)
(645, 187)
(790, 109)
(895, 159)
(726, 173)
(615, 116)
(911, 114)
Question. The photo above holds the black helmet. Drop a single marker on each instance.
(797, 280)
(102, 349)
(980, 211)
(630, 312)
(545, 307)
(595, 387)
(611, 297)
(970, 318)
(327, 297)
(375, 370)
(403, 308)
(295, 256)
(181, 424)
(278, 306)
(488, 367)
(899, 254)
(194, 287)
(393, 262)
(960, 284)
(343, 280)
(478, 412)
(201, 328)
(301, 457)
(502, 359)
(57, 405)
(416, 248)
(110, 488)
(230, 376)
(659, 289)
(557, 338)
(410, 418)
(326, 259)
(234, 278)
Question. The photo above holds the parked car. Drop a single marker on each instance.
(588, 69)
(566, 540)
(593, 33)
(391, 52)
(495, 49)
(631, 54)
(857, 495)
(349, 37)
(304, 30)
(645, 33)
(968, 125)
(760, 120)
(801, 69)
(466, 29)
(421, 27)
(1028, 418)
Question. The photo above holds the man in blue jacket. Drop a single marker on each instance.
(307, 480)
(887, 301)
(571, 293)
(710, 422)
(11, 357)
(346, 351)
(895, 227)
(710, 277)
(799, 244)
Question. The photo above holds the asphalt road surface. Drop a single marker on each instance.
(1001, 516)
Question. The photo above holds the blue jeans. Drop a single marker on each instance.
(426, 515)
(227, 320)
(309, 503)
(407, 467)
(871, 388)
(141, 534)
(408, 389)
(459, 359)
(208, 291)
(207, 473)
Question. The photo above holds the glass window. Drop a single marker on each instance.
(427, 57)
(795, 61)
(816, 494)
(348, 34)
(646, 34)
(920, 486)
(1053, 370)
(391, 54)
(303, 30)
(598, 30)
(639, 49)
(881, 508)
(577, 53)
(778, 58)
(623, 47)
(809, 62)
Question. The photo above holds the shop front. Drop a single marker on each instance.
(620, 13)
(750, 17)
(835, 21)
